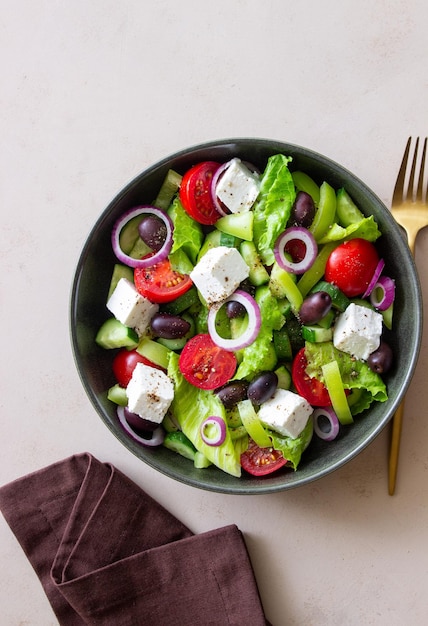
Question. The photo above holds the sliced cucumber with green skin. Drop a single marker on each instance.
(114, 334)
(120, 271)
(317, 334)
(179, 443)
(284, 377)
(117, 394)
(237, 224)
(201, 461)
(347, 211)
(338, 299)
(327, 320)
(168, 190)
(154, 351)
(258, 273)
(282, 345)
(182, 303)
(129, 234)
(139, 249)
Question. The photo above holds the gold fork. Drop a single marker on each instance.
(410, 210)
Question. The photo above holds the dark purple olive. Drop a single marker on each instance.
(139, 424)
(262, 387)
(315, 307)
(153, 232)
(380, 361)
(235, 309)
(169, 326)
(232, 393)
(303, 210)
(248, 287)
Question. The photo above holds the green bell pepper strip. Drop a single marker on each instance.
(252, 424)
(326, 211)
(333, 382)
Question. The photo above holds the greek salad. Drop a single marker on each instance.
(247, 314)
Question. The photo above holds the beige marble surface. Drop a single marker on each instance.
(92, 93)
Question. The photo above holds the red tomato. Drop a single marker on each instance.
(195, 192)
(160, 283)
(124, 363)
(205, 365)
(351, 266)
(261, 461)
(309, 388)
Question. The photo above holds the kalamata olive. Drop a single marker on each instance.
(169, 326)
(153, 232)
(315, 307)
(380, 361)
(139, 424)
(262, 387)
(303, 210)
(247, 286)
(235, 309)
(232, 393)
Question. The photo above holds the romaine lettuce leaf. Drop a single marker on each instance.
(190, 407)
(188, 235)
(292, 449)
(258, 356)
(273, 206)
(366, 228)
(355, 374)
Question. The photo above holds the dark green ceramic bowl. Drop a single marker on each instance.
(88, 311)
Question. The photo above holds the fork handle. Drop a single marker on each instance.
(397, 422)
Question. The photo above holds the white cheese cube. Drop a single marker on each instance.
(286, 412)
(219, 273)
(357, 331)
(238, 187)
(150, 393)
(131, 308)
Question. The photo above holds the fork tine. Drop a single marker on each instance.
(398, 192)
(419, 193)
(411, 184)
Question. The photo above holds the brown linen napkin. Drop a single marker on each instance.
(108, 554)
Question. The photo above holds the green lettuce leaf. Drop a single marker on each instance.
(188, 235)
(366, 228)
(190, 407)
(355, 374)
(260, 355)
(273, 207)
(292, 449)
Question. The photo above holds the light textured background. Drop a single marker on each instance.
(93, 92)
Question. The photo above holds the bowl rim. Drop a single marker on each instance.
(237, 487)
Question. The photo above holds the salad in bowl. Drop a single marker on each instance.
(248, 324)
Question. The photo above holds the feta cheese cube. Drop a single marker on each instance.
(357, 331)
(238, 187)
(150, 393)
(286, 412)
(131, 308)
(219, 273)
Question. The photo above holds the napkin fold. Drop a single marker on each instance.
(108, 554)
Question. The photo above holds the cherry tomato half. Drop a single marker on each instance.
(351, 266)
(124, 363)
(160, 283)
(261, 461)
(195, 193)
(205, 365)
(313, 390)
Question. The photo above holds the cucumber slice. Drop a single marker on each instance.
(282, 345)
(179, 443)
(201, 461)
(347, 211)
(120, 271)
(182, 303)
(114, 334)
(117, 394)
(178, 344)
(317, 334)
(168, 190)
(216, 238)
(258, 273)
(284, 377)
(237, 224)
(129, 234)
(154, 351)
(338, 299)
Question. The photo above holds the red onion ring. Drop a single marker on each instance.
(378, 271)
(148, 261)
(249, 334)
(219, 433)
(330, 415)
(158, 435)
(220, 207)
(387, 287)
(306, 237)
